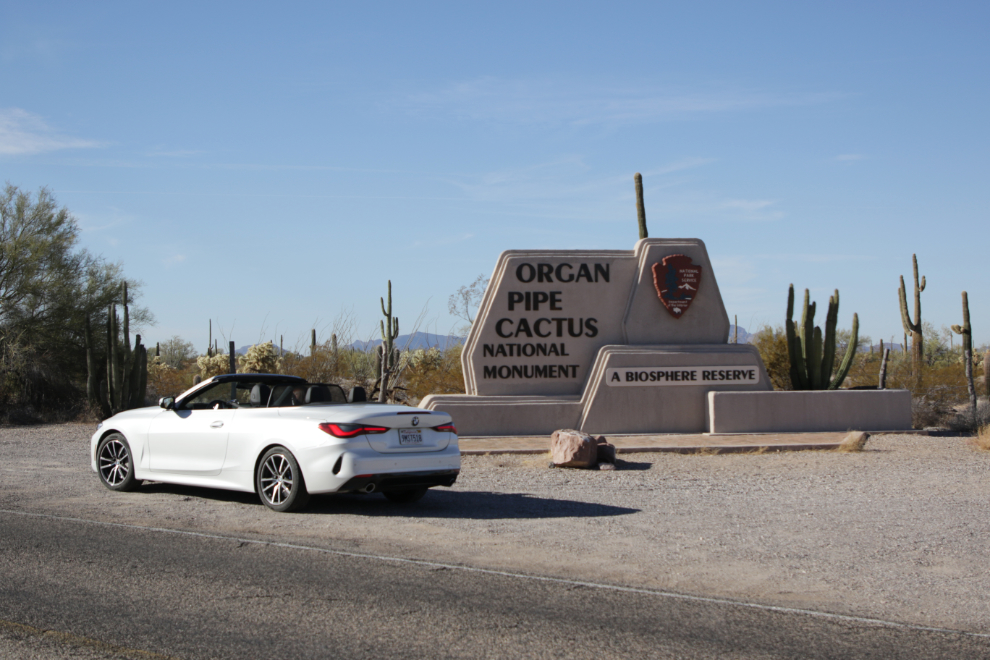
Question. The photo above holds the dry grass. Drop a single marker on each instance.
(982, 439)
(853, 442)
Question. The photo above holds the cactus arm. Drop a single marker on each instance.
(136, 395)
(127, 325)
(114, 351)
(808, 330)
(108, 392)
(640, 207)
(815, 359)
(917, 293)
(847, 360)
(830, 339)
(792, 346)
(905, 316)
(799, 371)
(90, 363)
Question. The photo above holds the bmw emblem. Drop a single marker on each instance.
(415, 421)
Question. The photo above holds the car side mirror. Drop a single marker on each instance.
(357, 395)
(167, 402)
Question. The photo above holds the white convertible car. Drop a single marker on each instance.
(280, 437)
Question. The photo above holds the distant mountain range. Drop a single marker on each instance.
(743, 335)
(415, 341)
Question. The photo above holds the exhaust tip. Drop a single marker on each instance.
(370, 488)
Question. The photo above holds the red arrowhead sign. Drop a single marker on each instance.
(677, 280)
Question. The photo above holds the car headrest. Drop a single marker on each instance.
(317, 394)
(357, 395)
(259, 395)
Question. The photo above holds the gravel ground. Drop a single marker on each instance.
(897, 532)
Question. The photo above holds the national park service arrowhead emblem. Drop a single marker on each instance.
(677, 279)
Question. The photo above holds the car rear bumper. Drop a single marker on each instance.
(399, 481)
(336, 471)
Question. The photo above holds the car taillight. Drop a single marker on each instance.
(450, 428)
(350, 430)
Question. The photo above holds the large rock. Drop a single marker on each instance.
(570, 448)
(606, 450)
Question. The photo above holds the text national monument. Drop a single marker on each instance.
(604, 341)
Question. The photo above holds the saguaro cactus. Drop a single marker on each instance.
(390, 331)
(917, 340)
(967, 345)
(812, 355)
(640, 207)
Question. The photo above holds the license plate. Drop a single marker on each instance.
(410, 437)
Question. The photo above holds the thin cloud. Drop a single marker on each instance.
(540, 101)
(23, 133)
(174, 153)
(174, 259)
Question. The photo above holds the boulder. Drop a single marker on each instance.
(570, 448)
(606, 451)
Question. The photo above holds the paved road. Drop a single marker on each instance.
(118, 591)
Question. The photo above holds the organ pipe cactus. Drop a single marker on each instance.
(127, 368)
(812, 355)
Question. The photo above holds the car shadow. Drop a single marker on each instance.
(468, 505)
(199, 492)
(438, 503)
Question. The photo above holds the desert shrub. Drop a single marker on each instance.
(942, 385)
(324, 364)
(33, 388)
(259, 359)
(213, 365)
(772, 345)
(176, 352)
(433, 371)
(165, 380)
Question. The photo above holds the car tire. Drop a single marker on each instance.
(405, 496)
(279, 481)
(115, 463)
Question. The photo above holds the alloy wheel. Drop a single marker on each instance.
(115, 463)
(276, 479)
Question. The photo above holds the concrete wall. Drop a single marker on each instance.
(603, 409)
(506, 415)
(793, 412)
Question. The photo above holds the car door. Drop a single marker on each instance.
(193, 439)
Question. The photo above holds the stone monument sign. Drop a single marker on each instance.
(605, 341)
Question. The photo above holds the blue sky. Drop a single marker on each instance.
(268, 166)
